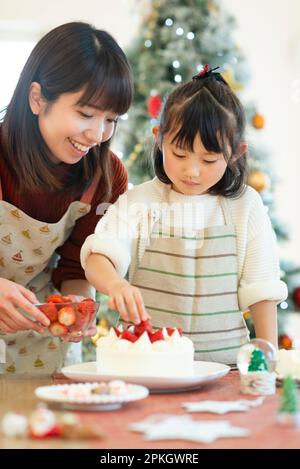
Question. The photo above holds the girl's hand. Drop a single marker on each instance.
(128, 301)
(13, 296)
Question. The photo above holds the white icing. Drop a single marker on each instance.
(143, 343)
(172, 357)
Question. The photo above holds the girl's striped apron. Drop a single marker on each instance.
(191, 282)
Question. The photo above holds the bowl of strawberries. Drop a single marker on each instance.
(69, 319)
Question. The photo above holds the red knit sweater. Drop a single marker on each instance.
(50, 207)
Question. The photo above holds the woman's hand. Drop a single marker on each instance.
(12, 297)
(128, 301)
(92, 329)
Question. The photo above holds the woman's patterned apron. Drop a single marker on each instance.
(27, 257)
(191, 282)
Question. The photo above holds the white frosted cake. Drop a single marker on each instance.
(288, 363)
(140, 352)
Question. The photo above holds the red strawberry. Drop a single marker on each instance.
(50, 311)
(128, 336)
(55, 299)
(67, 316)
(118, 333)
(158, 335)
(88, 307)
(58, 329)
(143, 326)
(170, 330)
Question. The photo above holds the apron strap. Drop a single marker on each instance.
(226, 210)
(88, 195)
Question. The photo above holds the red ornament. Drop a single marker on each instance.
(154, 105)
(296, 297)
(285, 342)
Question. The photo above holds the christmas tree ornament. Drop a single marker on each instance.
(154, 104)
(212, 8)
(246, 315)
(288, 412)
(259, 180)
(102, 330)
(296, 297)
(228, 76)
(256, 362)
(258, 121)
(285, 342)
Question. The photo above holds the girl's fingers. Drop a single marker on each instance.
(131, 307)
(119, 300)
(140, 305)
(111, 303)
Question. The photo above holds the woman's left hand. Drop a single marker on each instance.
(91, 331)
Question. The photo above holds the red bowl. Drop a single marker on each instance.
(69, 320)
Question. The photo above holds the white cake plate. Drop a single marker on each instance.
(60, 395)
(204, 372)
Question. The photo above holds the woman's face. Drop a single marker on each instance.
(70, 130)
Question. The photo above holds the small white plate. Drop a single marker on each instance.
(78, 396)
(204, 372)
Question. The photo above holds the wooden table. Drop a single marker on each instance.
(17, 394)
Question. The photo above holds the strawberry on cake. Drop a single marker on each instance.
(139, 351)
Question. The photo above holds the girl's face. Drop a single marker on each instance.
(71, 130)
(191, 173)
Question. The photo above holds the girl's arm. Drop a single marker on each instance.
(125, 298)
(264, 314)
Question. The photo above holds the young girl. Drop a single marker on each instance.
(55, 169)
(199, 243)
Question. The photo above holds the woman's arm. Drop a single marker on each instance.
(264, 314)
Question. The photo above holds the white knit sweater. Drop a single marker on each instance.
(123, 233)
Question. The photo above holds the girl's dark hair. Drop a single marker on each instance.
(209, 108)
(69, 58)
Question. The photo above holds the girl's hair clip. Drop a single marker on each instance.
(209, 73)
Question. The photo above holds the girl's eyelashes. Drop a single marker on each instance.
(86, 116)
(113, 120)
(178, 156)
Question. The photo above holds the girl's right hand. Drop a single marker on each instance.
(128, 301)
(13, 296)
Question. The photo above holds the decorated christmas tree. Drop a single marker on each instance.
(289, 396)
(257, 362)
(176, 39)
